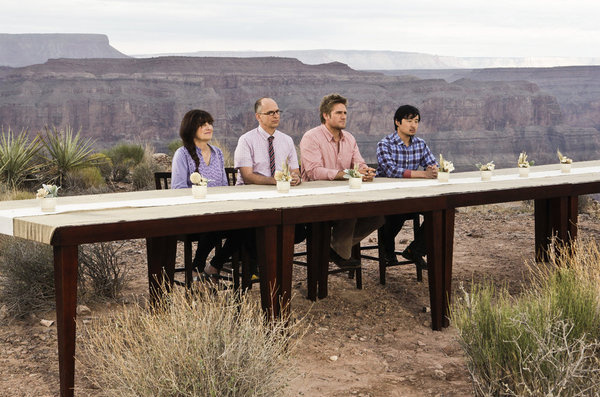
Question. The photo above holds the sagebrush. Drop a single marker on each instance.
(195, 343)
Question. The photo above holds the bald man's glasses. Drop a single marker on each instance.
(272, 113)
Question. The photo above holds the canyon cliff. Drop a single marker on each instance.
(469, 120)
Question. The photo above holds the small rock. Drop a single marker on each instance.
(438, 373)
(420, 343)
(426, 309)
(362, 339)
(46, 323)
(83, 309)
(333, 358)
(3, 312)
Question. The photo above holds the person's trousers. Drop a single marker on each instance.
(391, 228)
(346, 233)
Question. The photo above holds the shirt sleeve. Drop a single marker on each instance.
(387, 166)
(242, 157)
(356, 157)
(312, 161)
(180, 172)
(428, 158)
(292, 157)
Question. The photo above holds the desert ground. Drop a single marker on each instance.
(371, 342)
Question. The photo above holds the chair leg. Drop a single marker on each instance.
(235, 270)
(380, 256)
(357, 272)
(187, 260)
(246, 273)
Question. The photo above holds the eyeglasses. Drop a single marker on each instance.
(273, 112)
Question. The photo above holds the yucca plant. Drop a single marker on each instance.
(17, 155)
(66, 151)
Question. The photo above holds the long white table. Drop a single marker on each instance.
(159, 216)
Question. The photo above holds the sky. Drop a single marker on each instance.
(464, 28)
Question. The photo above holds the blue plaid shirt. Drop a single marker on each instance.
(394, 157)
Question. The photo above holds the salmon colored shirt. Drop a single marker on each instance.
(322, 157)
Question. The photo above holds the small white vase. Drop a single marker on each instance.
(355, 183)
(283, 186)
(199, 191)
(523, 172)
(443, 176)
(486, 175)
(565, 168)
(48, 204)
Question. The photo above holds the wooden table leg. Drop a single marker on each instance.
(555, 217)
(65, 283)
(439, 231)
(267, 253)
(161, 252)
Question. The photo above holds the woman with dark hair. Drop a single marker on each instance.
(197, 155)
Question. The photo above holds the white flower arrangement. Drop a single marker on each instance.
(352, 172)
(563, 159)
(197, 179)
(486, 167)
(47, 191)
(283, 175)
(445, 165)
(522, 161)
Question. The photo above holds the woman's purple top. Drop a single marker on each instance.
(183, 166)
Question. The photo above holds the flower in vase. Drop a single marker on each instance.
(197, 179)
(284, 174)
(486, 167)
(445, 165)
(352, 172)
(563, 159)
(47, 191)
(522, 161)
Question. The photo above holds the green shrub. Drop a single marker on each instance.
(173, 146)
(545, 342)
(26, 276)
(102, 273)
(17, 157)
(142, 175)
(104, 164)
(65, 152)
(84, 178)
(124, 158)
(198, 344)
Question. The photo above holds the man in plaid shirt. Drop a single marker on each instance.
(400, 155)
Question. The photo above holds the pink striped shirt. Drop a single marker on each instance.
(253, 151)
(320, 157)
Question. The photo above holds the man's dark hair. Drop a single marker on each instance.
(328, 102)
(406, 112)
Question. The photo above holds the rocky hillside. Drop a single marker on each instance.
(144, 99)
(29, 49)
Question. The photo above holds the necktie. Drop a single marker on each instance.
(271, 155)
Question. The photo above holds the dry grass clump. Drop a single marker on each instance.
(190, 344)
(545, 342)
(26, 276)
(102, 272)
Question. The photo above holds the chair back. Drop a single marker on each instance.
(231, 175)
(162, 179)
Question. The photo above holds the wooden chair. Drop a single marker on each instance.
(162, 180)
(416, 221)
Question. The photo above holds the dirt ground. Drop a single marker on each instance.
(371, 342)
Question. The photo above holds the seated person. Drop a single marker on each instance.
(326, 151)
(197, 155)
(400, 155)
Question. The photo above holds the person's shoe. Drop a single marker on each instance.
(415, 257)
(341, 262)
(390, 260)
